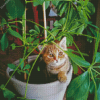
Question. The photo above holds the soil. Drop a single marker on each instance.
(37, 77)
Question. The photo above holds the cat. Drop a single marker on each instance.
(56, 61)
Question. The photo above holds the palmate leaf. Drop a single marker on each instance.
(97, 60)
(14, 33)
(7, 93)
(4, 42)
(27, 67)
(78, 60)
(75, 67)
(12, 66)
(37, 28)
(22, 63)
(92, 88)
(47, 3)
(63, 9)
(62, 21)
(15, 8)
(57, 24)
(55, 2)
(79, 88)
(3, 21)
(89, 38)
(91, 8)
(29, 39)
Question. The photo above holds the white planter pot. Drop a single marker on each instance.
(50, 91)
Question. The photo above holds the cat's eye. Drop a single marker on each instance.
(51, 55)
(60, 53)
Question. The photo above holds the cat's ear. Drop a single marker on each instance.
(63, 43)
(40, 48)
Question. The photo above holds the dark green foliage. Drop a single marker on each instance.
(4, 42)
(14, 33)
(79, 87)
(7, 93)
(15, 9)
(80, 61)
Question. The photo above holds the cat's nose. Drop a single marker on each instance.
(56, 61)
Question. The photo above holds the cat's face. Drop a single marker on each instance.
(53, 56)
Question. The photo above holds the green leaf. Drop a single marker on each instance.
(62, 21)
(78, 60)
(69, 40)
(59, 5)
(96, 46)
(63, 9)
(7, 93)
(12, 66)
(35, 3)
(80, 30)
(84, 14)
(29, 39)
(54, 33)
(30, 49)
(39, 1)
(13, 46)
(27, 67)
(15, 9)
(38, 68)
(37, 28)
(4, 42)
(27, 72)
(47, 3)
(75, 67)
(79, 88)
(55, 2)
(3, 21)
(89, 38)
(93, 31)
(14, 26)
(97, 60)
(91, 8)
(22, 63)
(57, 24)
(32, 31)
(14, 33)
(36, 41)
(92, 87)
(98, 92)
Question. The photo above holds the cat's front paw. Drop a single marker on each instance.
(62, 77)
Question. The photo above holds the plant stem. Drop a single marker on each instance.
(31, 71)
(28, 1)
(96, 71)
(24, 39)
(44, 17)
(15, 21)
(94, 84)
(41, 27)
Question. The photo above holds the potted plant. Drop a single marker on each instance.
(74, 21)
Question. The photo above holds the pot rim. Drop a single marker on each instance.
(69, 74)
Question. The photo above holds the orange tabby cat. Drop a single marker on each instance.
(57, 62)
